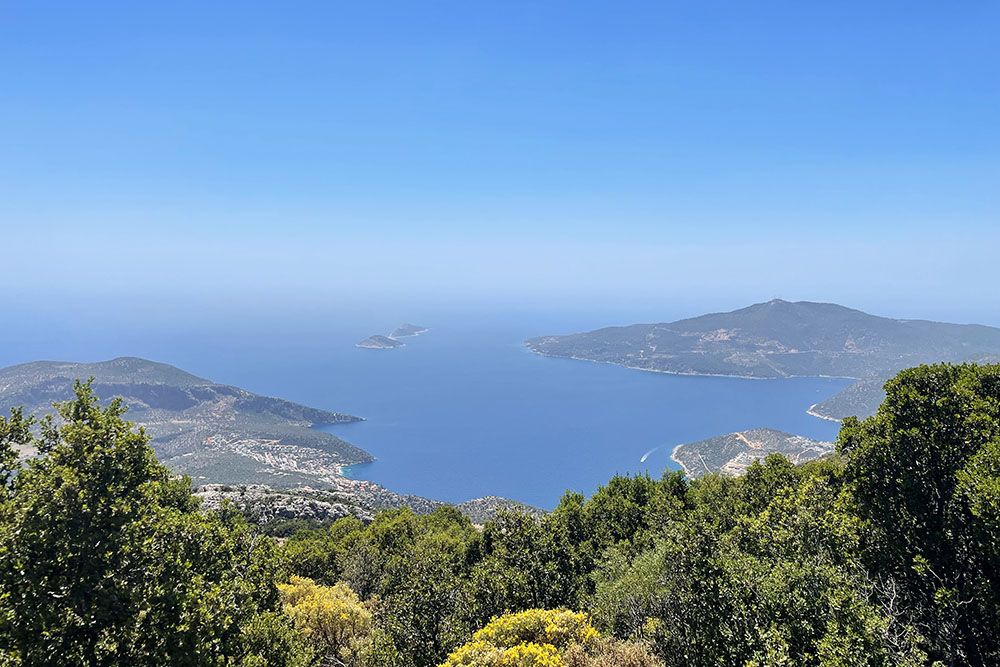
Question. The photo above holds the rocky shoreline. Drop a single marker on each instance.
(262, 504)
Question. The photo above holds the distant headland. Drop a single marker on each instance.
(260, 453)
(780, 339)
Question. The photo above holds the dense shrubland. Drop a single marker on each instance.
(887, 553)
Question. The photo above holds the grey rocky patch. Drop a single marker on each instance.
(732, 453)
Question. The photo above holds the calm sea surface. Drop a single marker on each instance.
(462, 411)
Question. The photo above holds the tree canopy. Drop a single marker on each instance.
(885, 553)
(107, 560)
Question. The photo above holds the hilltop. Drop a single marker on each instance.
(780, 339)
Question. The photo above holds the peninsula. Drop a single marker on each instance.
(780, 339)
(212, 432)
(262, 454)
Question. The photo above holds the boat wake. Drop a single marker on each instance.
(642, 459)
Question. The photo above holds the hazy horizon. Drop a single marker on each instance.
(630, 159)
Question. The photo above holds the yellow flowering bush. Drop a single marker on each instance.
(332, 618)
(558, 627)
(482, 654)
(531, 655)
(532, 638)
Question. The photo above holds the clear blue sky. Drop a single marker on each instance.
(725, 151)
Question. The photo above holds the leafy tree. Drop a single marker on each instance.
(783, 585)
(924, 473)
(319, 554)
(269, 639)
(979, 488)
(425, 609)
(106, 559)
(15, 435)
(523, 562)
(415, 567)
(622, 511)
(671, 595)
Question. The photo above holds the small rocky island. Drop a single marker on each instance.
(380, 342)
(732, 454)
(404, 330)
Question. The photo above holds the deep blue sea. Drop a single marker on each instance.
(460, 412)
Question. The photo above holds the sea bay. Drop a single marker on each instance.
(462, 411)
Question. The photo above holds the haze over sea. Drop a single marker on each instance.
(460, 412)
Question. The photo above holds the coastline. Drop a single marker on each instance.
(818, 415)
(673, 457)
(394, 337)
(410, 335)
(685, 373)
(809, 411)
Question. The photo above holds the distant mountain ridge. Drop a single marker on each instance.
(122, 369)
(783, 339)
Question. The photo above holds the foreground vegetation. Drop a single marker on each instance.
(886, 553)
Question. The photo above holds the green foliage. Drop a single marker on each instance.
(523, 562)
(106, 559)
(288, 527)
(415, 566)
(979, 488)
(776, 580)
(15, 433)
(923, 473)
(270, 639)
(884, 554)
